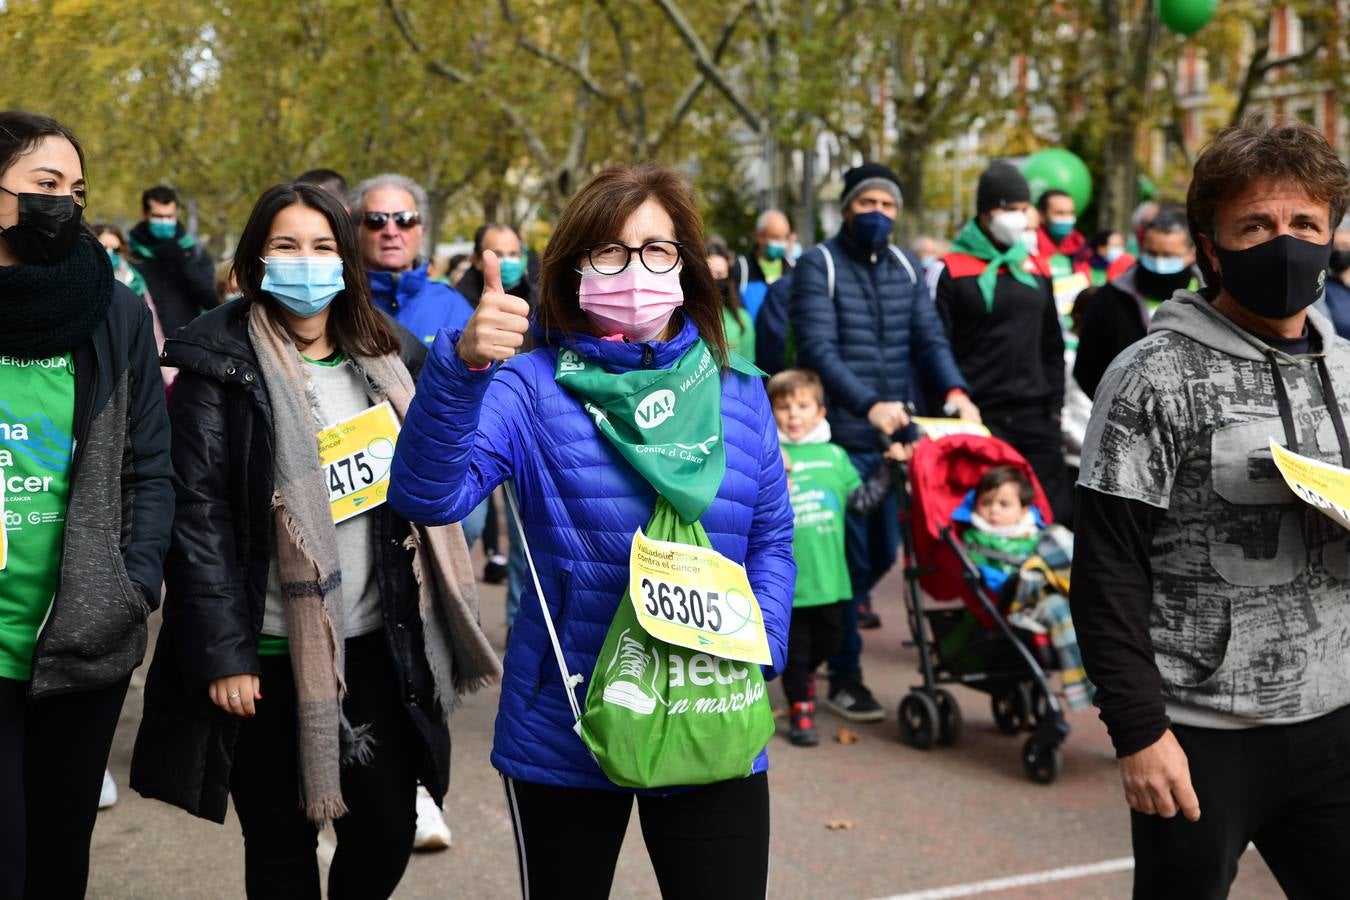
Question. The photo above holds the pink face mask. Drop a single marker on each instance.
(635, 303)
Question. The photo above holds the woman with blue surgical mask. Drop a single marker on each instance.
(313, 641)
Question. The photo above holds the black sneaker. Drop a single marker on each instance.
(495, 570)
(802, 725)
(867, 619)
(855, 703)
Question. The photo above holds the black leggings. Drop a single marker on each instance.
(1285, 788)
(52, 756)
(707, 842)
(374, 838)
(816, 634)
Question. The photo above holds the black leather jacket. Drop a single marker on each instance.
(216, 574)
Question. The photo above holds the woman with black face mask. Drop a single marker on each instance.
(740, 327)
(87, 503)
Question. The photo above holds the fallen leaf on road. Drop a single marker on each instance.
(846, 736)
(840, 824)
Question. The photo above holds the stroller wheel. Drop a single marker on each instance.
(918, 720)
(1010, 712)
(949, 717)
(1041, 760)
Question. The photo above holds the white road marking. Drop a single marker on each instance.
(1068, 873)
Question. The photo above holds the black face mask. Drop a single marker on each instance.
(1340, 261)
(1275, 279)
(1153, 286)
(47, 228)
(724, 288)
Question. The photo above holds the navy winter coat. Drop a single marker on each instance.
(863, 341)
(467, 432)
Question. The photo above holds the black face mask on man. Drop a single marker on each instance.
(1155, 286)
(47, 228)
(1277, 278)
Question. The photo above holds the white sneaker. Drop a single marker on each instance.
(432, 832)
(108, 796)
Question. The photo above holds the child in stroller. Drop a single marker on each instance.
(975, 644)
(1007, 540)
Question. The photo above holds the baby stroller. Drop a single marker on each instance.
(973, 644)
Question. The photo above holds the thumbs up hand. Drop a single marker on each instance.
(498, 326)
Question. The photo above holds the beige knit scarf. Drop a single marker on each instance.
(457, 652)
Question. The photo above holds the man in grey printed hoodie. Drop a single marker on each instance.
(1211, 604)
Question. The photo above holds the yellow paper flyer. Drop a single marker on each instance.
(1321, 485)
(356, 455)
(695, 597)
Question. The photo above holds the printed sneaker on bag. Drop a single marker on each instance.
(631, 688)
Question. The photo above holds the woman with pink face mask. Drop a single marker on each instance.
(631, 400)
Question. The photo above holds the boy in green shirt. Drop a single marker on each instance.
(823, 486)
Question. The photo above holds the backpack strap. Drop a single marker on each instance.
(744, 266)
(829, 271)
(899, 254)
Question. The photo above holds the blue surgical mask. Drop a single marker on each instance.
(512, 269)
(114, 257)
(1059, 229)
(163, 229)
(775, 250)
(304, 284)
(796, 252)
(1113, 253)
(872, 228)
(1162, 265)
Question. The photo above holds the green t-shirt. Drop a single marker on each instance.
(772, 269)
(37, 414)
(821, 479)
(740, 332)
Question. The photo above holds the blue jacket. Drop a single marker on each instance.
(419, 304)
(467, 432)
(863, 340)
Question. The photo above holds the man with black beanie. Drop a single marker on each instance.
(996, 303)
(862, 319)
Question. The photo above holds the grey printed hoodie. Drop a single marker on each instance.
(1250, 620)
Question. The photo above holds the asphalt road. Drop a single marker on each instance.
(917, 821)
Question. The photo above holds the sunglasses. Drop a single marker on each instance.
(375, 221)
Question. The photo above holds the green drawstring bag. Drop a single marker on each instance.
(658, 715)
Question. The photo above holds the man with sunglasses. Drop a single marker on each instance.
(390, 212)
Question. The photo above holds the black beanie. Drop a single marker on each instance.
(1000, 184)
(869, 176)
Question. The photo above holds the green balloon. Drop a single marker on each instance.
(1147, 190)
(1186, 16)
(1059, 169)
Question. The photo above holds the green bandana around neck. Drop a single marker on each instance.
(974, 242)
(667, 423)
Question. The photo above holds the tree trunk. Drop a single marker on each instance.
(1128, 51)
(909, 164)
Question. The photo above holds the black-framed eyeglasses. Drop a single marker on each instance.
(404, 220)
(612, 257)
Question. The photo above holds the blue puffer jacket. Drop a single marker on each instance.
(419, 304)
(467, 432)
(864, 341)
